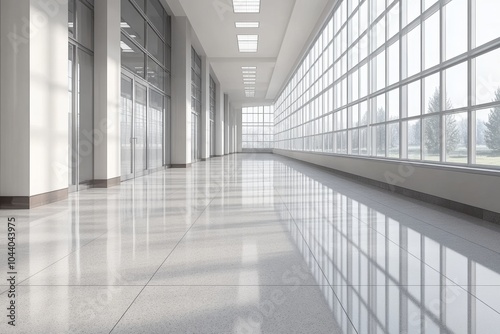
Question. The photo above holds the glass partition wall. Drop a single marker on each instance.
(399, 79)
(81, 94)
(145, 97)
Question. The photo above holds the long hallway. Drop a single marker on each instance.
(252, 243)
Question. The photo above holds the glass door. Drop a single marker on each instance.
(212, 138)
(73, 148)
(140, 129)
(80, 119)
(85, 118)
(155, 129)
(166, 134)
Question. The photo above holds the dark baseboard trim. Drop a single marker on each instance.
(47, 198)
(204, 159)
(248, 150)
(218, 156)
(107, 183)
(490, 216)
(14, 202)
(181, 165)
(30, 202)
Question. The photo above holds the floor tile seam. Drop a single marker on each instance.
(48, 220)
(189, 229)
(64, 257)
(316, 261)
(446, 231)
(481, 300)
(170, 253)
(417, 301)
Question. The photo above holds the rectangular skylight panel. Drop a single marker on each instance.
(246, 6)
(247, 24)
(248, 68)
(248, 43)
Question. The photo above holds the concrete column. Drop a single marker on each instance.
(33, 103)
(107, 92)
(181, 92)
(227, 128)
(205, 108)
(219, 121)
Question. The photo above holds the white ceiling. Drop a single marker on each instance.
(285, 26)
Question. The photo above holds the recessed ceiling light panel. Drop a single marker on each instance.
(246, 24)
(246, 6)
(248, 43)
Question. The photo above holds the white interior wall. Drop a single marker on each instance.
(34, 117)
(478, 189)
(48, 97)
(15, 110)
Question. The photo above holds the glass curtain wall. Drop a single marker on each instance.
(399, 79)
(212, 116)
(81, 94)
(145, 100)
(195, 105)
(257, 127)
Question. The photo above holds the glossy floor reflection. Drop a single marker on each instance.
(252, 243)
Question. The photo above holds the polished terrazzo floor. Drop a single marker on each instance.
(251, 243)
